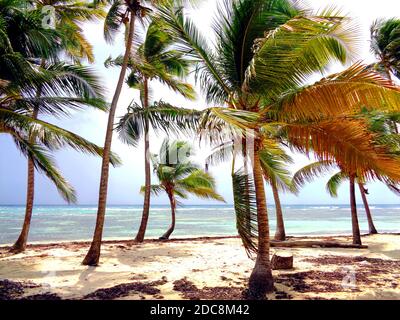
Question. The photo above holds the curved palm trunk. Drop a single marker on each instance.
(280, 234)
(173, 211)
(93, 256)
(371, 226)
(354, 217)
(146, 204)
(261, 281)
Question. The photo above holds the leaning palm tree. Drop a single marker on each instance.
(155, 59)
(178, 177)
(120, 13)
(256, 72)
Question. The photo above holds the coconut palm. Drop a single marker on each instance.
(154, 60)
(385, 45)
(178, 177)
(256, 72)
(120, 13)
(49, 88)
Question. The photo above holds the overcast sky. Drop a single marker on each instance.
(84, 171)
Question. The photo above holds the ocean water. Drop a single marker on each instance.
(62, 223)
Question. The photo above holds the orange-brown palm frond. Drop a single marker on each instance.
(339, 94)
(349, 143)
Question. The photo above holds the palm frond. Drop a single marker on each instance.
(312, 171)
(343, 93)
(162, 117)
(334, 183)
(288, 55)
(246, 211)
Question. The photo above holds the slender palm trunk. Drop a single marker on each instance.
(354, 217)
(146, 205)
(20, 244)
(371, 226)
(173, 211)
(93, 256)
(280, 234)
(261, 281)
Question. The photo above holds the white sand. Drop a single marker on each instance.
(206, 263)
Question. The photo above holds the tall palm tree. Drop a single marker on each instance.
(256, 72)
(179, 177)
(120, 12)
(155, 59)
(66, 86)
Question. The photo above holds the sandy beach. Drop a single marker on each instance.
(214, 268)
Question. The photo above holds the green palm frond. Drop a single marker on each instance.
(385, 44)
(239, 24)
(221, 153)
(246, 211)
(44, 163)
(334, 183)
(312, 171)
(51, 136)
(112, 21)
(155, 189)
(163, 117)
(274, 166)
(193, 44)
(287, 56)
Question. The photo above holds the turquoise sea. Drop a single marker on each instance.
(62, 223)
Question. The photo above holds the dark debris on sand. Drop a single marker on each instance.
(12, 290)
(318, 281)
(125, 289)
(191, 292)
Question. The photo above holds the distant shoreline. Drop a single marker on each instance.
(81, 242)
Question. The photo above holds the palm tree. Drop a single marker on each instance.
(273, 162)
(154, 60)
(256, 72)
(120, 12)
(385, 44)
(63, 86)
(180, 177)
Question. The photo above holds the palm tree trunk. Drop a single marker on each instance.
(261, 281)
(93, 256)
(146, 205)
(371, 226)
(280, 234)
(20, 244)
(173, 209)
(354, 217)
